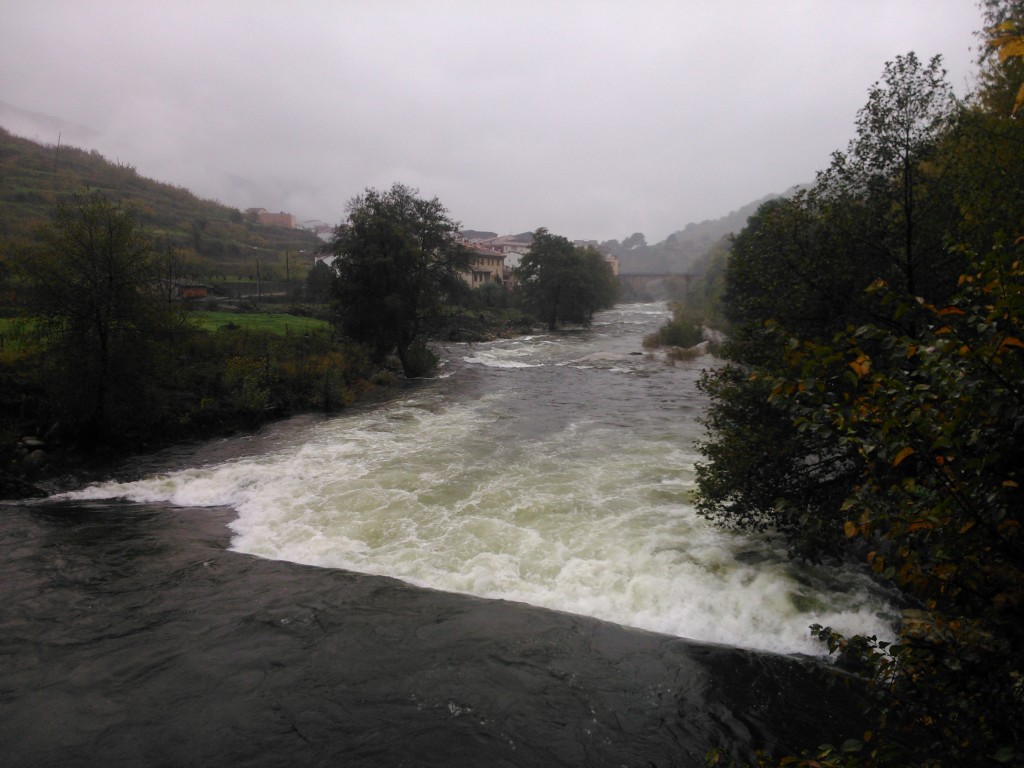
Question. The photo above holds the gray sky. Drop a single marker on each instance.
(593, 118)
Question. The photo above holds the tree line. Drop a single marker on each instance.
(111, 359)
(871, 406)
(399, 276)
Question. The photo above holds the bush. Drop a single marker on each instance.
(678, 332)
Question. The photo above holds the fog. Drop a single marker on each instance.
(595, 119)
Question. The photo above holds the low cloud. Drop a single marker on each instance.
(593, 119)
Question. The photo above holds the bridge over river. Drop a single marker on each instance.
(655, 286)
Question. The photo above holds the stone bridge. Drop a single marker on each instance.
(655, 287)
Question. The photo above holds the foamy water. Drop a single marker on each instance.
(554, 470)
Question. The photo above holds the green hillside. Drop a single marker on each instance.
(683, 251)
(221, 241)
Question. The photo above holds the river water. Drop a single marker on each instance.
(169, 616)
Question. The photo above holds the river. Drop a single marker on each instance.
(507, 570)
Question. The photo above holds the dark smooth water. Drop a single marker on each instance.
(131, 636)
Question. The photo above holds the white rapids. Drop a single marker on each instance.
(530, 484)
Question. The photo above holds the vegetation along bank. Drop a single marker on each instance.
(116, 339)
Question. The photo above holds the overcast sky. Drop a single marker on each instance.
(594, 118)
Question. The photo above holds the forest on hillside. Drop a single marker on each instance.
(217, 242)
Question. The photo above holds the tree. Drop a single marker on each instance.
(801, 265)
(1001, 80)
(319, 283)
(933, 423)
(564, 283)
(989, 139)
(636, 240)
(886, 169)
(872, 407)
(96, 290)
(398, 260)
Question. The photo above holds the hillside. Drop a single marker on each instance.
(220, 240)
(680, 252)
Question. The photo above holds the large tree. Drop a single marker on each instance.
(564, 283)
(398, 261)
(96, 288)
(882, 210)
(872, 405)
(886, 180)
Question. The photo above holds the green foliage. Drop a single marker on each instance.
(1001, 80)
(872, 408)
(279, 323)
(681, 331)
(563, 283)
(219, 381)
(702, 294)
(676, 333)
(95, 288)
(762, 474)
(398, 262)
(34, 178)
(935, 423)
(320, 283)
(248, 381)
(802, 264)
(107, 360)
(886, 183)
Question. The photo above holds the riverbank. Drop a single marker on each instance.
(41, 469)
(236, 378)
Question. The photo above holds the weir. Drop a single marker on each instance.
(509, 571)
(556, 470)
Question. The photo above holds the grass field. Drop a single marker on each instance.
(281, 324)
(15, 335)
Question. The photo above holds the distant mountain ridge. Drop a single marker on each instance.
(679, 252)
(34, 175)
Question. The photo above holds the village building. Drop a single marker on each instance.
(511, 245)
(321, 229)
(486, 265)
(263, 216)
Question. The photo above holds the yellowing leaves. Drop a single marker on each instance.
(1010, 47)
(903, 454)
(1006, 40)
(1009, 43)
(861, 366)
(1010, 341)
(945, 570)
